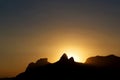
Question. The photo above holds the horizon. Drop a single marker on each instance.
(30, 30)
(40, 62)
(57, 61)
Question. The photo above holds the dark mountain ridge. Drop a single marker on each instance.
(98, 67)
(110, 61)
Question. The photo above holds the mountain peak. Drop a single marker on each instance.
(71, 59)
(40, 62)
(64, 58)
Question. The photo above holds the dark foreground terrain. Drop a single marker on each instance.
(97, 68)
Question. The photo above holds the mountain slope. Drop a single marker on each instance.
(104, 61)
(69, 69)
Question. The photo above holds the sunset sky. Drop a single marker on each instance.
(33, 29)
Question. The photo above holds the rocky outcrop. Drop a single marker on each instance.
(109, 61)
(39, 63)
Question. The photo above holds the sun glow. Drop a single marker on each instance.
(77, 55)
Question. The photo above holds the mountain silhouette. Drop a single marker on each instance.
(71, 60)
(98, 67)
(64, 59)
(104, 61)
(39, 63)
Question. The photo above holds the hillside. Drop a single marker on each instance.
(94, 67)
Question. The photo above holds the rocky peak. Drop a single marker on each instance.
(64, 57)
(42, 61)
(71, 59)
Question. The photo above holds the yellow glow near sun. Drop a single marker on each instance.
(77, 55)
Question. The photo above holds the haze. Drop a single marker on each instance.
(31, 29)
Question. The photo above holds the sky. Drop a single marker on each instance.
(33, 29)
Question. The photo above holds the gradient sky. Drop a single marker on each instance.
(31, 29)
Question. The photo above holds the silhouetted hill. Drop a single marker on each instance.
(104, 61)
(68, 69)
(64, 60)
(39, 63)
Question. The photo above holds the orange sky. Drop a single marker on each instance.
(30, 30)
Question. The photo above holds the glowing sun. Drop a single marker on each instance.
(75, 54)
(76, 57)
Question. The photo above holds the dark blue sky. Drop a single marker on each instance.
(18, 15)
(34, 28)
